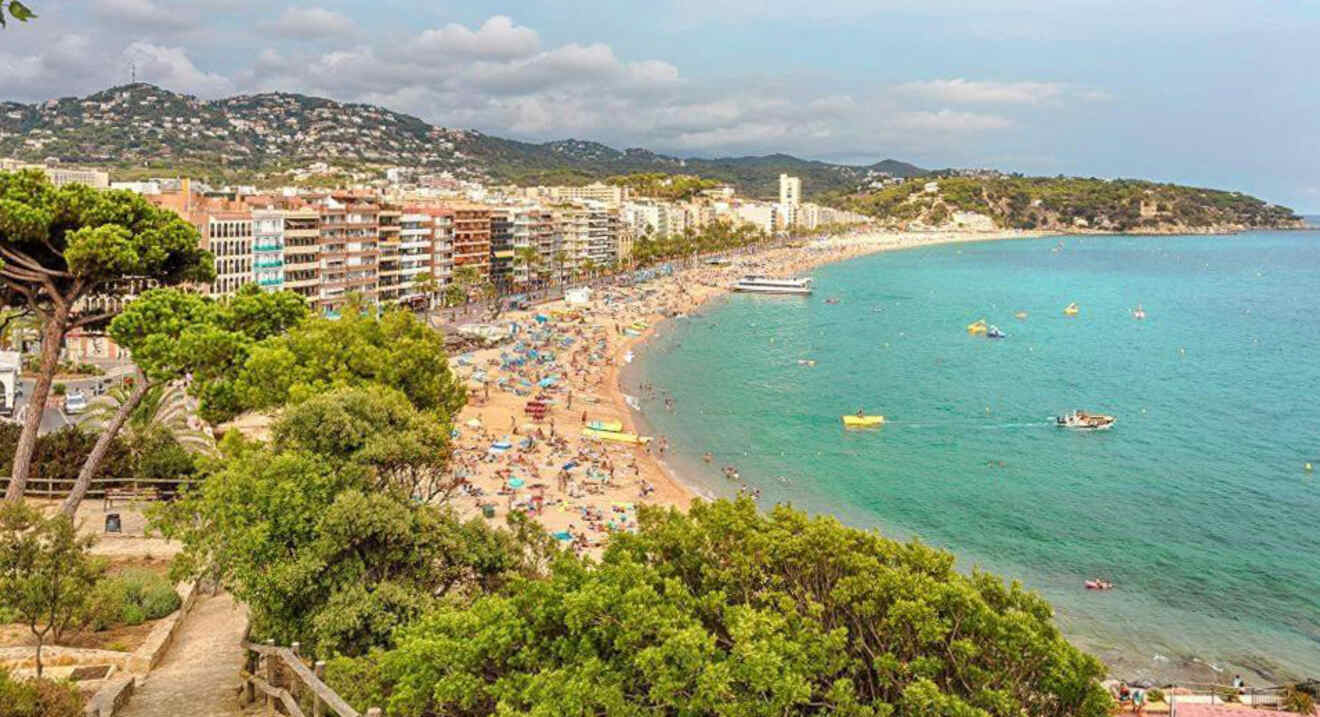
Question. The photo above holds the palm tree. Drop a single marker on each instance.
(429, 285)
(163, 408)
(527, 258)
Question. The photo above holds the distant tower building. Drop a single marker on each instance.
(790, 190)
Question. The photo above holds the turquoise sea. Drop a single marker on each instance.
(1197, 505)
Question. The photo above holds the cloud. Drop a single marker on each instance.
(950, 121)
(963, 91)
(497, 38)
(312, 22)
(170, 67)
(144, 13)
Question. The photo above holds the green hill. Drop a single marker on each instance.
(250, 137)
(1067, 204)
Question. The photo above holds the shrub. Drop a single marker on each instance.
(1297, 700)
(133, 614)
(38, 698)
(130, 598)
(1154, 695)
(59, 389)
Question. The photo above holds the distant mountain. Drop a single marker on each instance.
(141, 124)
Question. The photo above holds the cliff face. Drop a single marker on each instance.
(1070, 205)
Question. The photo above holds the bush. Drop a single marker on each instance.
(1154, 695)
(1297, 700)
(130, 598)
(38, 698)
(60, 454)
(59, 389)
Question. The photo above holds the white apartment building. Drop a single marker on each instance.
(790, 190)
(416, 252)
(646, 218)
(60, 176)
(760, 215)
(595, 192)
(229, 239)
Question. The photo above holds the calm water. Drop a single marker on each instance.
(1197, 504)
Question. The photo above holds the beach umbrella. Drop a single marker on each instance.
(473, 423)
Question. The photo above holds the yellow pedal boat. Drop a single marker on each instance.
(616, 436)
(863, 421)
(976, 327)
(1070, 309)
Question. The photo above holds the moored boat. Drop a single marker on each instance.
(756, 284)
(1070, 309)
(994, 333)
(1085, 421)
(977, 327)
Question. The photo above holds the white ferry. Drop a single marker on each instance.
(765, 285)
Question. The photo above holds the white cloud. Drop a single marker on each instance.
(144, 13)
(170, 67)
(497, 38)
(312, 22)
(950, 121)
(962, 91)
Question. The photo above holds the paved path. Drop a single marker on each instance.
(199, 675)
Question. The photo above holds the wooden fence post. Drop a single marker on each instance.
(270, 678)
(250, 665)
(318, 710)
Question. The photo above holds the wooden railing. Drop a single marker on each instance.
(58, 488)
(281, 677)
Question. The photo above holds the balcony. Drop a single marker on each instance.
(268, 263)
(270, 282)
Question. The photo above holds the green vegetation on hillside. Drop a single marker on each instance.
(664, 186)
(253, 139)
(1070, 202)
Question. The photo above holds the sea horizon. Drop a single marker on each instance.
(1159, 624)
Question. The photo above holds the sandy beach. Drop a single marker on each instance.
(566, 358)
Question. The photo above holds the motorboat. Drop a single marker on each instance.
(855, 421)
(994, 333)
(1070, 309)
(1138, 313)
(977, 327)
(1099, 584)
(1085, 421)
(757, 284)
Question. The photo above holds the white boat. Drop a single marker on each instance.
(1085, 421)
(756, 284)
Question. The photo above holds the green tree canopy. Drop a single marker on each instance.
(70, 255)
(46, 573)
(727, 611)
(172, 333)
(319, 553)
(404, 449)
(396, 350)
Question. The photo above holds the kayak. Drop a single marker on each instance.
(616, 436)
(863, 421)
(613, 426)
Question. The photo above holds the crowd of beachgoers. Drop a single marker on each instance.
(520, 445)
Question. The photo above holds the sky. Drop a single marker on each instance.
(1219, 93)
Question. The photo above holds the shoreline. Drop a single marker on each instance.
(578, 489)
